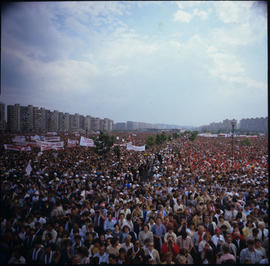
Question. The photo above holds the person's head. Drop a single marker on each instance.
(226, 248)
(258, 243)
(112, 259)
(170, 240)
(218, 231)
(137, 244)
(102, 249)
(126, 229)
(250, 244)
(146, 228)
(261, 225)
(229, 239)
(122, 254)
(169, 257)
(255, 232)
(151, 245)
(249, 224)
(116, 227)
(221, 218)
(128, 239)
(184, 234)
(109, 216)
(200, 229)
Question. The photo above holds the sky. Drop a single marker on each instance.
(174, 62)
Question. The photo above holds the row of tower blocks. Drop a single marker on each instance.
(34, 119)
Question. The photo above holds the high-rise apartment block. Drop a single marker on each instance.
(66, 122)
(13, 118)
(39, 119)
(88, 123)
(2, 117)
(254, 124)
(34, 119)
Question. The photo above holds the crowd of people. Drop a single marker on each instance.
(182, 202)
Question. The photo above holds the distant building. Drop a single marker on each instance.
(66, 122)
(132, 125)
(95, 124)
(2, 117)
(81, 122)
(88, 123)
(53, 121)
(26, 118)
(39, 119)
(254, 124)
(120, 126)
(61, 122)
(29, 119)
(74, 122)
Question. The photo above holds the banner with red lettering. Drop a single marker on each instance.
(44, 146)
(14, 147)
(72, 143)
(52, 138)
(86, 142)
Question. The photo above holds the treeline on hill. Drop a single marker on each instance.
(104, 141)
(159, 139)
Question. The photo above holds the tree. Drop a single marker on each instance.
(175, 135)
(193, 135)
(103, 143)
(117, 152)
(246, 142)
(150, 141)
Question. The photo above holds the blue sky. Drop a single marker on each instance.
(179, 62)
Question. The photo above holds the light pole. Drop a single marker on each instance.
(233, 125)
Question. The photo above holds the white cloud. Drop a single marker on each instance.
(235, 12)
(202, 14)
(182, 16)
(187, 16)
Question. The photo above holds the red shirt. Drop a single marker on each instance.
(165, 250)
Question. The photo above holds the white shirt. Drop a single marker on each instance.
(215, 239)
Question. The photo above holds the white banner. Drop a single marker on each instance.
(52, 138)
(19, 139)
(72, 143)
(52, 133)
(44, 146)
(36, 137)
(135, 148)
(13, 147)
(86, 142)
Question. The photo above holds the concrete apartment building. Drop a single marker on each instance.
(95, 123)
(53, 121)
(88, 123)
(2, 117)
(26, 118)
(61, 122)
(254, 124)
(66, 122)
(81, 122)
(39, 119)
(35, 119)
(120, 126)
(74, 122)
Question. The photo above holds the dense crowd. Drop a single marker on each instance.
(181, 202)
